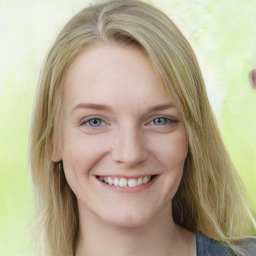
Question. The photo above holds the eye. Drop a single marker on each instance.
(161, 121)
(95, 122)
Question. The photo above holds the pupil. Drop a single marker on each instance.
(160, 121)
(95, 122)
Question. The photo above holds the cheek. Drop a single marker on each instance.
(80, 153)
(173, 154)
(173, 150)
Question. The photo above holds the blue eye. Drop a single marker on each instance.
(161, 121)
(96, 122)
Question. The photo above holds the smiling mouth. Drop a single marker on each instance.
(126, 182)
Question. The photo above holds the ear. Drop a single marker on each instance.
(55, 152)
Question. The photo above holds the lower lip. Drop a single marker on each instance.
(130, 189)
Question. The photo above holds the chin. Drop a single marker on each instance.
(129, 219)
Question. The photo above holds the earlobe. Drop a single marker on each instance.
(55, 157)
(55, 153)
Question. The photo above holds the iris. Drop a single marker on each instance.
(160, 121)
(94, 122)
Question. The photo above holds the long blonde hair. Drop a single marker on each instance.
(209, 200)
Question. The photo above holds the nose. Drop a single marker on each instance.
(129, 146)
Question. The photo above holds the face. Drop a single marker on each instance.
(124, 143)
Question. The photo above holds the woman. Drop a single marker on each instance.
(126, 157)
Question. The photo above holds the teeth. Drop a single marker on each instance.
(116, 181)
(123, 182)
(110, 181)
(132, 183)
(145, 179)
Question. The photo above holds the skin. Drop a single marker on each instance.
(119, 134)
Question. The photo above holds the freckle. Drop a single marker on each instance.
(252, 77)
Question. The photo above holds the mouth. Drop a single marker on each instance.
(125, 182)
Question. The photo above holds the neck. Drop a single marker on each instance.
(160, 236)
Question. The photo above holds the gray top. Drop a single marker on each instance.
(209, 247)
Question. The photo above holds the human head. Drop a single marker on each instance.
(127, 22)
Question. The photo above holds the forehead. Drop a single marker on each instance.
(113, 74)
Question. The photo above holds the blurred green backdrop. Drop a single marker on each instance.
(223, 35)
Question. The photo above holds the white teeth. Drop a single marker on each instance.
(146, 179)
(124, 182)
(132, 183)
(116, 181)
(110, 181)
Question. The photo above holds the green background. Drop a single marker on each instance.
(223, 35)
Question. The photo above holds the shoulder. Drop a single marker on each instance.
(209, 247)
(248, 245)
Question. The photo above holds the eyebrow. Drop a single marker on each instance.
(104, 107)
(92, 106)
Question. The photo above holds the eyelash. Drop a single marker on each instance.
(168, 121)
(86, 122)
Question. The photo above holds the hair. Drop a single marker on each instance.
(210, 197)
